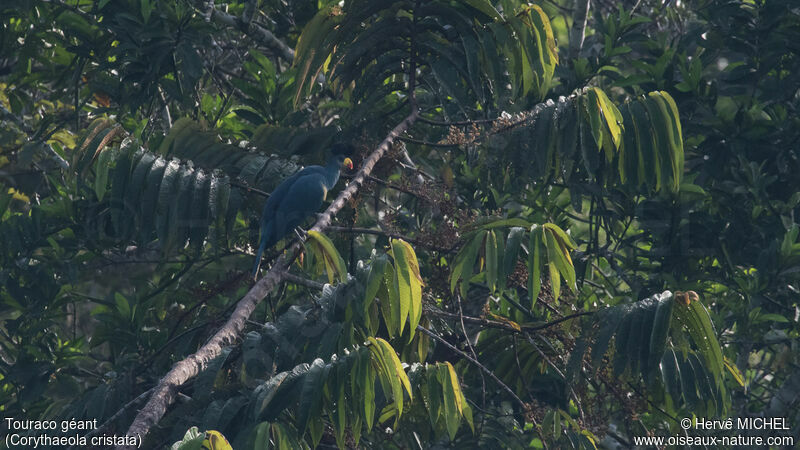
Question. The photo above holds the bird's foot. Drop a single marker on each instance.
(301, 234)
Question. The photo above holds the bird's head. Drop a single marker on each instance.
(340, 161)
(340, 152)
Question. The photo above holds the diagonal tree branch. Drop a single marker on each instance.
(167, 388)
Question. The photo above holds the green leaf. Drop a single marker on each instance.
(594, 116)
(734, 371)
(611, 115)
(166, 191)
(340, 416)
(310, 396)
(391, 371)
(313, 49)
(123, 306)
(415, 306)
(534, 263)
(192, 440)
(329, 254)
(200, 205)
(558, 245)
(101, 174)
(465, 264)
(648, 167)
(610, 320)
(122, 171)
(389, 303)
(394, 361)
(402, 282)
(670, 374)
(557, 263)
(367, 387)
(450, 401)
(697, 321)
(433, 388)
(660, 127)
(455, 386)
(490, 252)
(658, 337)
(669, 113)
(374, 280)
(622, 340)
(513, 244)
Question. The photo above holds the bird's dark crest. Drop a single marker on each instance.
(343, 148)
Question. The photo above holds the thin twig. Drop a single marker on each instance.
(557, 370)
(254, 30)
(249, 188)
(426, 143)
(472, 350)
(288, 276)
(384, 183)
(502, 325)
(457, 123)
(475, 362)
(558, 321)
(391, 235)
(491, 374)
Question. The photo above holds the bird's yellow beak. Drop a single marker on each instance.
(348, 163)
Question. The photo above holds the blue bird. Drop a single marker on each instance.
(298, 197)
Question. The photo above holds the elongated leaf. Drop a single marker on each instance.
(673, 143)
(415, 307)
(698, 323)
(490, 252)
(611, 115)
(374, 280)
(660, 127)
(556, 264)
(433, 389)
(330, 254)
(670, 374)
(148, 205)
(467, 264)
(388, 372)
(101, 174)
(311, 393)
(394, 361)
(513, 244)
(450, 401)
(402, 282)
(535, 263)
(558, 253)
(649, 169)
(594, 117)
(610, 321)
(389, 304)
(662, 321)
(735, 372)
(199, 222)
(367, 387)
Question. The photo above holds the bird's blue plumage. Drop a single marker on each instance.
(296, 198)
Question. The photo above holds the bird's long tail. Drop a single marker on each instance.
(266, 231)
